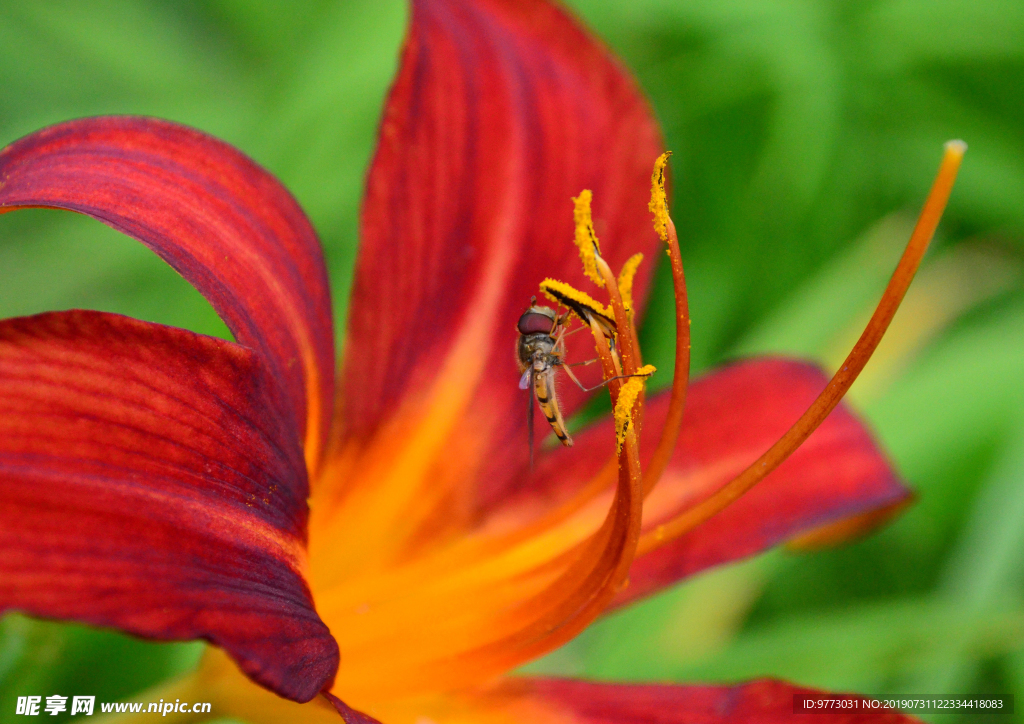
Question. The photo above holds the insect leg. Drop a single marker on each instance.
(560, 341)
(599, 384)
(573, 377)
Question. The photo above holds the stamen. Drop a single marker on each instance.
(628, 395)
(843, 378)
(626, 275)
(611, 365)
(626, 337)
(659, 200)
(681, 376)
(586, 238)
(582, 304)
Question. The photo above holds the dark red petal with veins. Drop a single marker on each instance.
(732, 416)
(501, 112)
(219, 219)
(147, 483)
(764, 701)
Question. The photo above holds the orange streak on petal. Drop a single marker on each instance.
(377, 497)
(312, 447)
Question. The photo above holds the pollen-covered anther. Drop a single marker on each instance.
(586, 237)
(582, 304)
(628, 395)
(659, 201)
(626, 275)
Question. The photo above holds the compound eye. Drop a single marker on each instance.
(535, 323)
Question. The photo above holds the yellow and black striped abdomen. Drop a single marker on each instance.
(544, 389)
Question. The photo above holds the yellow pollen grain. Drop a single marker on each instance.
(626, 281)
(659, 202)
(560, 292)
(586, 238)
(624, 405)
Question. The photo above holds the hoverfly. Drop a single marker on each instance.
(539, 350)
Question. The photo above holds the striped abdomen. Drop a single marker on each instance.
(544, 390)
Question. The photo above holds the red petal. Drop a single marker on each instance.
(757, 702)
(501, 112)
(219, 219)
(147, 484)
(732, 416)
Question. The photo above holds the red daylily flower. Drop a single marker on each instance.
(156, 481)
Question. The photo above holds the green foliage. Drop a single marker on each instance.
(805, 133)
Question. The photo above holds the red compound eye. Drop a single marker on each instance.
(535, 323)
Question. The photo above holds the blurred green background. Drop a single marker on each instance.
(806, 133)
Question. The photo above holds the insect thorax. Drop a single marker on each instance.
(536, 347)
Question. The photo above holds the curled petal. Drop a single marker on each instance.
(221, 221)
(502, 111)
(149, 483)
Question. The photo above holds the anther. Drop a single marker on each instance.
(585, 236)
